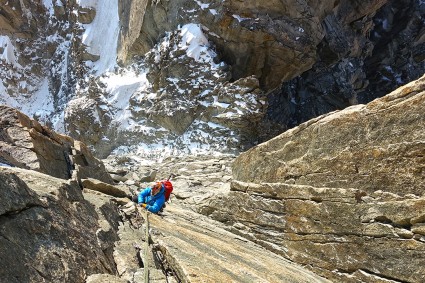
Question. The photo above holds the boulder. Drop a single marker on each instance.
(148, 176)
(118, 178)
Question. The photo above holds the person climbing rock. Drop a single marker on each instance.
(152, 198)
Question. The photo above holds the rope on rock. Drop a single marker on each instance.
(146, 265)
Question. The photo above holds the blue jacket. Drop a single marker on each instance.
(154, 203)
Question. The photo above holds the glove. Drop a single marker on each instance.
(143, 205)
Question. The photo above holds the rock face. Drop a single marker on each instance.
(362, 147)
(72, 230)
(53, 231)
(48, 231)
(42, 55)
(343, 193)
(279, 40)
(25, 143)
(313, 58)
(274, 41)
(185, 238)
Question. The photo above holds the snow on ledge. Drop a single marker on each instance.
(196, 44)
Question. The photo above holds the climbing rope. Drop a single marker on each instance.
(146, 265)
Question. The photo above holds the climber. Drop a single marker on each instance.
(152, 198)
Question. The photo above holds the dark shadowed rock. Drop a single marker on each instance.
(275, 40)
(363, 55)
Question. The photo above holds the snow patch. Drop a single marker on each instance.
(101, 35)
(202, 5)
(196, 44)
(239, 18)
(121, 87)
(9, 51)
(48, 4)
(41, 103)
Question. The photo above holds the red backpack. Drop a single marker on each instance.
(168, 189)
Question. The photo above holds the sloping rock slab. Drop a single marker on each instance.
(378, 146)
(200, 250)
(342, 193)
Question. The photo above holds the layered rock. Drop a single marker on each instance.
(25, 143)
(184, 237)
(342, 193)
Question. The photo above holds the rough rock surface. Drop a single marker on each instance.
(94, 235)
(342, 193)
(186, 237)
(378, 146)
(196, 178)
(48, 231)
(188, 247)
(25, 143)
